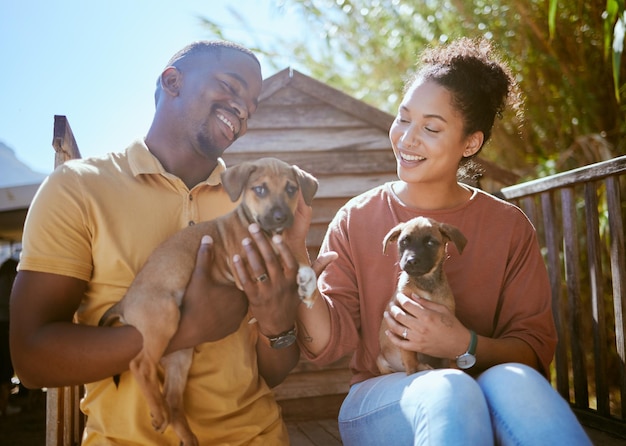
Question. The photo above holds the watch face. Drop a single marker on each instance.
(465, 361)
(283, 341)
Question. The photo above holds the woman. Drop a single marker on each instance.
(503, 318)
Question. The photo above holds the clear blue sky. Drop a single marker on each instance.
(97, 61)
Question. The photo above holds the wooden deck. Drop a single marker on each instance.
(314, 433)
(326, 433)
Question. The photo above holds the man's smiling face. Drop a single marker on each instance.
(219, 93)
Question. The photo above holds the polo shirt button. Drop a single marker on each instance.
(191, 222)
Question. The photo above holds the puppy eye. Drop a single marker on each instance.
(403, 242)
(291, 189)
(260, 191)
(432, 242)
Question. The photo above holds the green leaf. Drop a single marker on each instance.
(609, 15)
(552, 18)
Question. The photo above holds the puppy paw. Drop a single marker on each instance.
(420, 368)
(160, 421)
(307, 285)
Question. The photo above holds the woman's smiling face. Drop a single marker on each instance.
(428, 136)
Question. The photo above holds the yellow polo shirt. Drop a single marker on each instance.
(98, 220)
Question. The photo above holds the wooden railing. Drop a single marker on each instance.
(64, 420)
(579, 216)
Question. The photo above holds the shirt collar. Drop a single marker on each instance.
(143, 162)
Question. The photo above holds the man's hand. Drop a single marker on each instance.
(209, 311)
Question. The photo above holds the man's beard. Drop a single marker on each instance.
(209, 148)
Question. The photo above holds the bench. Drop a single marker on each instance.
(579, 216)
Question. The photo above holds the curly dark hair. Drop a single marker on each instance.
(481, 84)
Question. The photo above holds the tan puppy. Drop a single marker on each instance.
(422, 250)
(269, 190)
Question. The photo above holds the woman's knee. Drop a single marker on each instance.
(441, 406)
(525, 408)
(512, 378)
(445, 387)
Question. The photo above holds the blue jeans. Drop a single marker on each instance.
(509, 404)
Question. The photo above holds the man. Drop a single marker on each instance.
(89, 230)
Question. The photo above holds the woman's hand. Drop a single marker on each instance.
(430, 327)
(269, 280)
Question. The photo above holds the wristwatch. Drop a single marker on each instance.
(468, 359)
(283, 340)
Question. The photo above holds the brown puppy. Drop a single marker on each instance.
(422, 250)
(269, 190)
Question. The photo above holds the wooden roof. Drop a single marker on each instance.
(342, 141)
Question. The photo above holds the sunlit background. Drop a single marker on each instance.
(97, 62)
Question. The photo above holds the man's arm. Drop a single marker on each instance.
(48, 349)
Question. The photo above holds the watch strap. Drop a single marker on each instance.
(468, 359)
(282, 340)
(473, 342)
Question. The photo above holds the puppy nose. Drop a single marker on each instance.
(412, 260)
(279, 215)
(414, 265)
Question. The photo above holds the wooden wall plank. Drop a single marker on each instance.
(298, 116)
(332, 162)
(340, 186)
(310, 140)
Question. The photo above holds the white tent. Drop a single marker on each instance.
(18, 184)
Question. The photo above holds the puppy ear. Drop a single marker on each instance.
(454, 235)
(392, 236)
(235, 178)
(308, 184)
